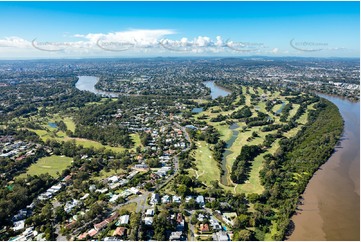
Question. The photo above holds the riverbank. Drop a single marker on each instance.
(331, 205)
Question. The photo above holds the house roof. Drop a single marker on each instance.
(148, 220)
(149, 212)
(204, 227)
(112, 217)
(92, 232)
(124, 219)
(100, 225)
(119, 231)
(83, 235)
(179, 218)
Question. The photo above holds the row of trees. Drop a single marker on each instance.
(241, 166)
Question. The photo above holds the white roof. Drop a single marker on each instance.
(124, 219)
(19, 225)
(149, 212)
(114, 198)
(148, 220)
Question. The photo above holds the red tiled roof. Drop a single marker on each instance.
(92, 232)
(70, 225)
(112, 218)
(120, 231)
(83, 235)
(204, 227)
(100, 225)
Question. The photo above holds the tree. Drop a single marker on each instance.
(182, 190)
(243, 235)
(243, 220)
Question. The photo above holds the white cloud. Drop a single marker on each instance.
(133, 42)
(141, 37)
(14, 41)
(275, 50)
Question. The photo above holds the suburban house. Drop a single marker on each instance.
(203, 228)
(200, 201)
(120, 231)
(229, 217)
(166, 199)
(175, 236)
(154, 199)
(176, 199)
(149, 213)
(148, 221)
(124, 219)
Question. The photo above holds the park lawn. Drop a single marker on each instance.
(292, 132)
(260, 91)
(251, 90)
(276, 94)
(293, 111)
(207, 167)
(303, 118)
(262, 107)
(70, 125)
(276, 107)
(130, 207)
(253, 184)
(50, 164)
(224, 130)
(200, 101)
(136, 139)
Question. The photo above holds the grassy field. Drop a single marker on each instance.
(128, 207)
(69, 124)
(276, 107)
(293, 111)
(51, 165)
(207, 167)
(136, 140)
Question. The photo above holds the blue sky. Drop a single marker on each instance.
(101, 29)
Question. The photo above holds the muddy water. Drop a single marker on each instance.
(331, 209)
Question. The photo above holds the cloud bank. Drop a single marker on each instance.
(135, 42)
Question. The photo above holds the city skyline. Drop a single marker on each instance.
(152, 29)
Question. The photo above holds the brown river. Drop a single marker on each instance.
(331, 205)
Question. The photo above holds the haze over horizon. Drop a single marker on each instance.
(49, 30)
